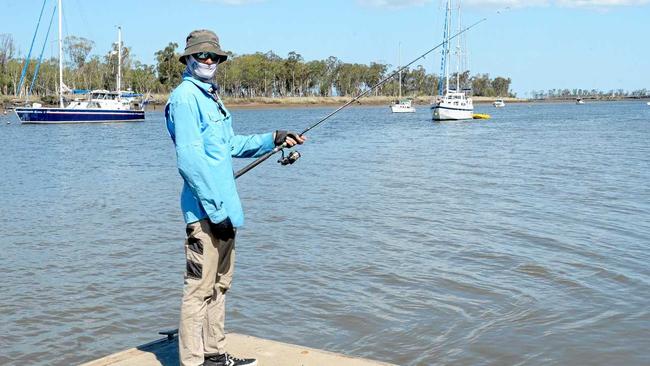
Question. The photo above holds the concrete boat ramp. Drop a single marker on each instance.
(268, 353)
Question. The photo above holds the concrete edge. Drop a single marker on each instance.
(268, 352)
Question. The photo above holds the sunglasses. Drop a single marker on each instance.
(207, 55)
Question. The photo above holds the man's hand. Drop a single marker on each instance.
(290, 137)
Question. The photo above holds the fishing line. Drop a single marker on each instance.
(295, 157)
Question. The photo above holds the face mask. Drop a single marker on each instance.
(201, 71)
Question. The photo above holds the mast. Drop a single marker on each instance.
(458, 53)
(399, 62)
(60, 58)
(119, 61)
(446, 51)
(444, 54)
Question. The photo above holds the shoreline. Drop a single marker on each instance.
(318, 102)
(158, 102)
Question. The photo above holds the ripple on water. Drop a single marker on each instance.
(518, 241)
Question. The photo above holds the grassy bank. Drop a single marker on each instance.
(161, 99)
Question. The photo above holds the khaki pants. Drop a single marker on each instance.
(210, 262)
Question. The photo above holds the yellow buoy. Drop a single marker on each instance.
(480, 116)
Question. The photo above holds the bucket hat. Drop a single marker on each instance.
(203, 40)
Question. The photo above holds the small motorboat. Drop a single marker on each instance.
(499, 103)
(403, 106)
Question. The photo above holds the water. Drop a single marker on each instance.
(522, 240)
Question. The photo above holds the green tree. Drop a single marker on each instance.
(142, 78)
(78, 49)
(482, 85)
(168, 68)
(7, 50)
(501, 86)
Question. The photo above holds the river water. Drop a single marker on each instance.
(520, 240)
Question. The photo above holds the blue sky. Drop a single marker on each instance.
(540, 44)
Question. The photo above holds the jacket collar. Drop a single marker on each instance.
(209, 88)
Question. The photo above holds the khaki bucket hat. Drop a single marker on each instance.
(203, 40)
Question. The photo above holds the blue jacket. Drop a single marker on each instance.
(205, 144)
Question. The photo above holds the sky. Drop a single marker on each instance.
(539, 44)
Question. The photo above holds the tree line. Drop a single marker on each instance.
(249, 75)
(589, 93)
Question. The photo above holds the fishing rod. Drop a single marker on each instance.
(294, 155)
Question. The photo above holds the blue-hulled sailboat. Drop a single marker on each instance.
(99, 106)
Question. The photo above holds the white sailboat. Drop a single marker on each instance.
(451, 104)
(401, 105)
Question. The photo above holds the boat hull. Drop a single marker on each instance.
(63, 115)
(443, 113)
(402, 109)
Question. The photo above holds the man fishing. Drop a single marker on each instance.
(201, 129)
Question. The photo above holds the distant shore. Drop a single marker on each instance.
(301, 102)
(158, 101)
(330, 101)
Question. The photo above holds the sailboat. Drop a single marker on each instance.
(401, 105)
(451, 104)
(101, 105)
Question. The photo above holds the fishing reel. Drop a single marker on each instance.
(290, 158)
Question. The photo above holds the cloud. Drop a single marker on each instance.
(601, 3)
(506, 3)
(509, 3)
(233, 2)
(562, 3)
(393, 3)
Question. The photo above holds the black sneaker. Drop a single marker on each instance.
(228, 360)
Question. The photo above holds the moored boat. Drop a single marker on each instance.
(499, 103)
(451, 104)
(101, 105)
(68, 115)
(401, 105)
